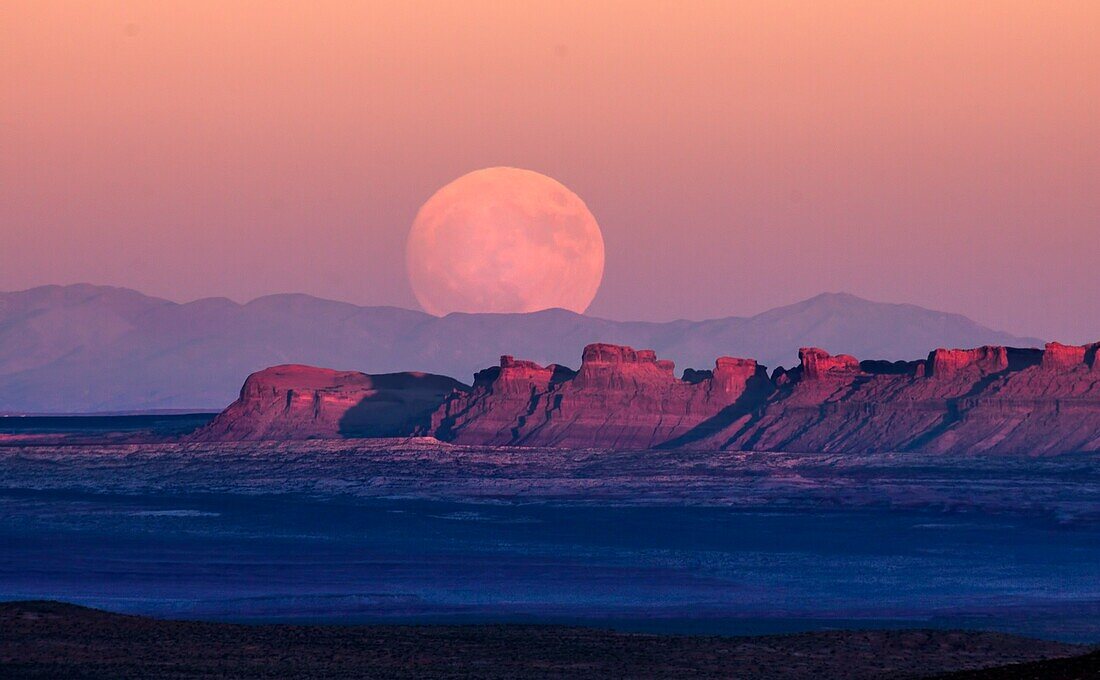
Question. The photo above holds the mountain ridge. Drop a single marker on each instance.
(86, 348)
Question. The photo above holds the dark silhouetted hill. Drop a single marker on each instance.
(55, 640)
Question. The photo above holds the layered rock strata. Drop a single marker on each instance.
(304, 402)
(988, 399)
(620, 398)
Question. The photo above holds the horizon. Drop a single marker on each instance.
(752, 154)
(100, 349)
(824, 294)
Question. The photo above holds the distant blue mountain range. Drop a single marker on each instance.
(84, 348)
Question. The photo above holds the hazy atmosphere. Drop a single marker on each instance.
(737, 156)
(474, 338)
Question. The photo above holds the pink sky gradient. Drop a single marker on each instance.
(737, 155)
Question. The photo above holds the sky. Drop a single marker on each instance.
(738, 156)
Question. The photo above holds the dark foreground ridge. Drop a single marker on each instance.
(991, 399)
(52, 640)
(1083, 667)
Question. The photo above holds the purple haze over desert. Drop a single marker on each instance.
(737, 156)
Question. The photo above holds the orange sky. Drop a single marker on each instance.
(737, 155)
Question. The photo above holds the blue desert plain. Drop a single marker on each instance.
(415, 531)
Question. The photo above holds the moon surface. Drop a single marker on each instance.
(504, 240)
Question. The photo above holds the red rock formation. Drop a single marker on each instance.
(817, 364)
(620, 397)
(731, 375)
(522, 376)
(990, 399)
(1058, 356)
(501, 401)
(614, 367)
(303, 402)
(947, 363)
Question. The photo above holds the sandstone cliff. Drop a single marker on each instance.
(620, 398)
(304, 402)
(988, 399)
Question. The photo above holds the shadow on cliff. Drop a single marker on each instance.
(1019, 359)
(384, 416)
(757, 390)
(401, 406)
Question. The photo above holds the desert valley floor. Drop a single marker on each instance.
(414, 531)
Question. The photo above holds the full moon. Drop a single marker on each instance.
(504, 240)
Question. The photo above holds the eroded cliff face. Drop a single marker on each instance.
(304, 402)
(987, 399)
(817, 364)
(948, 363)
(620, 398)
(506, 397)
